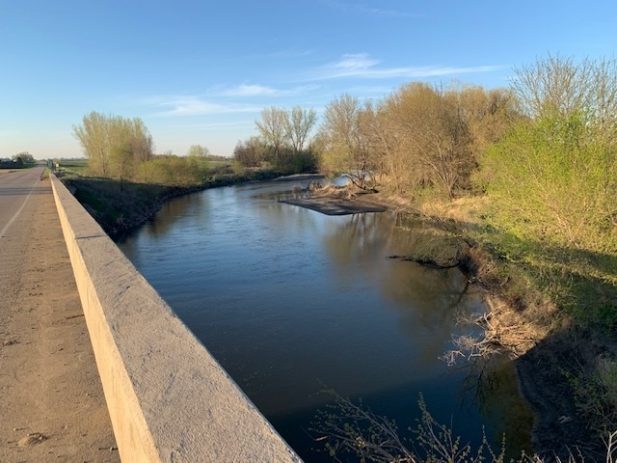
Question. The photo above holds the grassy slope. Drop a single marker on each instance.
(553, 307)
(121, 206)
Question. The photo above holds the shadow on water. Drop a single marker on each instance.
(289, 301)
(559, 375)
(503, 412)
(184, 206)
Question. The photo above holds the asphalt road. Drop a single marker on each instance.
(52, 407)
(15, 189)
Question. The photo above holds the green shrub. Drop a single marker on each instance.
(554, 180)
(172, 170)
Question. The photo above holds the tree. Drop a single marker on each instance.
(114, 145)
(196, 159)
(298, 124)
(452, 160)
(554, 177)
(427, 139)
(559, 85)
(24, 158)
(94, 138)
(346, 147)
(120, 154)
(198, 151)
(250, 153)
(489, 115)
(273, 129)
(141, 141)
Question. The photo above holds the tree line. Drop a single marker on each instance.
(543, 150)
(420, 137)
(122, 148)
(283, 142)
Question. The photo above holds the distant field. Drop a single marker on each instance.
(219, 162)
(76, 166)
(80, 166)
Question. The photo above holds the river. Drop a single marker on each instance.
(292, 303)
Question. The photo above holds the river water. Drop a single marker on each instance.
(293, 303)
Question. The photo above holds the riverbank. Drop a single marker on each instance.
(555, 353)
(120, 207)
(454, 242)
(290, 300)
(538, 298)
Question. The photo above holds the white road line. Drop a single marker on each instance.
(10, 222)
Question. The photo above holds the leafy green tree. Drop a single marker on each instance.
(94, 138)
(113, 145)
(552, 179)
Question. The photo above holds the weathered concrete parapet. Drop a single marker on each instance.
(168, 398)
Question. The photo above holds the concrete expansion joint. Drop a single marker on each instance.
(91, 237)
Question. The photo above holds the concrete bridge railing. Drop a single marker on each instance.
(168, 398)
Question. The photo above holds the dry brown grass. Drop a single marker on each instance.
(464, 210)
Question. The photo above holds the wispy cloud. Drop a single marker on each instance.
(362, 8)
(196, 106)
(255, 90)
(361, 65)
(249, 90)
(220, 100)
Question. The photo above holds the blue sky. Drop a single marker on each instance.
(200, 71)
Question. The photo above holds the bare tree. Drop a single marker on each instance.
(346, 146)
(250, 153)
(557, 84)
(273, 129)
(298, 124)
(428, 142)
(552, 85)
(488, 114)
(350, 430)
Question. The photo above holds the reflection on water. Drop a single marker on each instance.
(291, 301)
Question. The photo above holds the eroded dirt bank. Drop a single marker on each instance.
(549, 351)
(120, 207)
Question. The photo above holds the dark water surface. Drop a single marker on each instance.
(292, 302)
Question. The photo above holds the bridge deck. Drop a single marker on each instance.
(51, 400)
